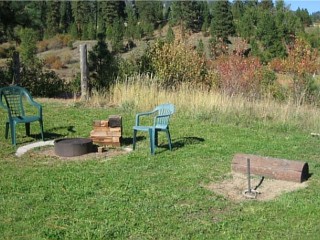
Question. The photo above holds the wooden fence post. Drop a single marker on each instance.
(84, 73)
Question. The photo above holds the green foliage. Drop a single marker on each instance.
(269, 37)
(170, 35)
(200, 48)
(132, 27)
(150, 14)
(53, 19)
(39, 82)
(304, 16)
(28, 47)
(187, 14)
(222, 26)
(75, 85)
(176, 63)
(102, 65)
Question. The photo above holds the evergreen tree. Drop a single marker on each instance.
(150, 15)
(102, 65)
(288, 24)
(28, 47)
(7, 21)
(109, 11)
(131, 30)
(205, 16)
(269, 37)
(117, 32)
(237, 10)
(53, 19)
(66, 18)
(266, 4)
(80, 13)
(222, 20)
(187, 14)
(304, 16)
(246, 25)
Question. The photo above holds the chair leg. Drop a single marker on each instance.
(156, 138)
(27, 129)
(41, 129)
(152, 140)
(134, 139)
(169, 139)
(7, 130)
(13, 133)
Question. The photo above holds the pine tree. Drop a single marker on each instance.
(131, 23)
(187, 14)
(53, 19)
(222, 20)
(102, 65)
(28, 48)
(269, 37)
(205, 16)
(237, 9)
(117, 33)
(80, 13)
(150, 15)
(304, 16)
(266, 4)
(109, 11)
(66, 18)
(246, 25)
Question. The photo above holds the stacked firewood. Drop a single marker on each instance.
(107, 132)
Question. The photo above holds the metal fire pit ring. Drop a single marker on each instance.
(71, 147)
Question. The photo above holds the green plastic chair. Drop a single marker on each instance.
(161, 118)
(12, 100)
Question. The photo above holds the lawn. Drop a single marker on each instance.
(139, 196)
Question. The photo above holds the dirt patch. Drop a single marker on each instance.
(107, 154)
(236, 183)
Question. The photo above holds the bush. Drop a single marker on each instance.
(41, 83)
(245, 76)
(53, 62)
(176, 63)
(42, 46)
(57, 42)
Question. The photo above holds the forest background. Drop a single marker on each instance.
(255, 49)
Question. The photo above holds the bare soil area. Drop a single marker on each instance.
(236, 184)
(105, 155)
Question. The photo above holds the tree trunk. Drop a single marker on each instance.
(84, 73)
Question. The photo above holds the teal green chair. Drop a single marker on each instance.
(14, 100)
(161, 115)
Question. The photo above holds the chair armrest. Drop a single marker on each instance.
(138, 115)
(4, 106)
(37, 105)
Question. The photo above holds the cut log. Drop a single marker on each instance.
(280, 169)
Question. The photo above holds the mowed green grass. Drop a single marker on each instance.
(139, 196)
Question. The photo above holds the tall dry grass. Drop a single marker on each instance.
(141, 92)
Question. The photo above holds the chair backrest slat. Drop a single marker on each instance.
(13, 100)
(164, 109)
